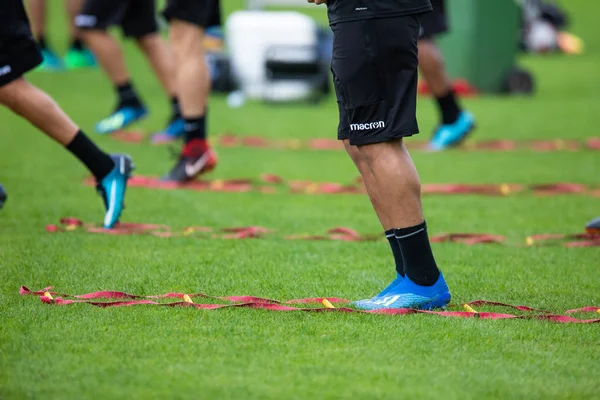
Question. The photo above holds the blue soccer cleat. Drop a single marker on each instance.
(51, 62)
(174, 131)
(121, 118)
(76, 59)
(453, 134)
(410, 295)
(384, 292)
(112, 188)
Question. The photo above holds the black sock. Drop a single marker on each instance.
(448, 107)
(77, 44)
(175, 109)
(128, 97)
(391, 237)
(42, 42)
(419, 263)
(195, 128)
(98, 162)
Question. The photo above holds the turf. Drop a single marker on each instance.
(81, 352)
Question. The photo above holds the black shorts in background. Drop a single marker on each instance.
(202, 13)
(374, 66)
(137, 18)
(19, 53)
(435, 22)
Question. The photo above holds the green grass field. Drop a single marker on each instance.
(81, 352)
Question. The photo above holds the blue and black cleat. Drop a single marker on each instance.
(121, 118)
(113, 186)
(453, 134)
(174, 131)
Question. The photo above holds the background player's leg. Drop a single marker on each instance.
(160, 55)
(72, 8)
(193, 86)
(37, 14)
(77, 56)
(158, 52)
(111, 172)
(36, 9)
(193, 80)
(455, 123)
(110, 57)
(431, 63)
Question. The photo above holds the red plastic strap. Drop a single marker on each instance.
(70, 224)
(269, 183)
(587, 239)
(46, 296)
(468, 238)
(129, 136)
(231, 140)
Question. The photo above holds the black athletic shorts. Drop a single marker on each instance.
(137, 18)
(435, 22)
(19, 53)
(203, 13)
(374, 67)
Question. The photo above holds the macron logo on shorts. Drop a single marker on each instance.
(5, 70)
(85, 21)
(367, 126)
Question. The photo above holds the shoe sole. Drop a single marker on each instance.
(439, 301)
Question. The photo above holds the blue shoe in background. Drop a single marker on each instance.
(410, 295)
(384, 292)
(51, 61)
(112, 188)
(453, 134)
(174, 131)
(76, 59)
(121, 118)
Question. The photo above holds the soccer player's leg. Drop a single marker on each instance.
(187, 21)
(372, 190)
(38, 13)
(139, 22)
(93, 21)
(78, 55)
(378, 91)
(24, 99)
(456, 124)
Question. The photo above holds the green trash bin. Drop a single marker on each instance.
(482, 45)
